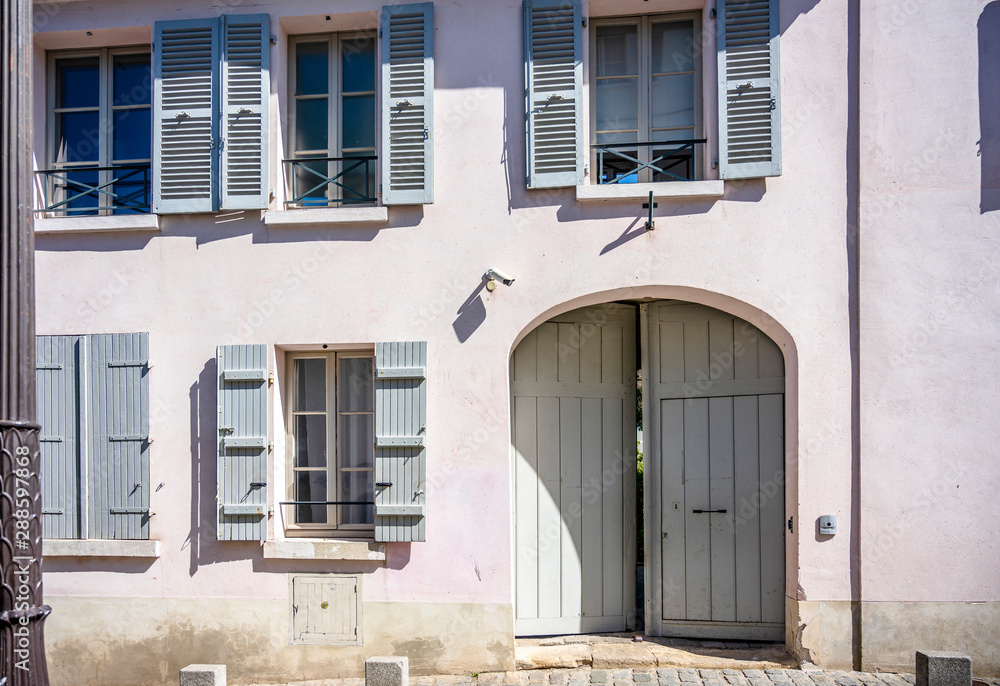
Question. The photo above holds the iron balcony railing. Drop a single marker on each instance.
(91, 190)
(672, 160)
(352, 181)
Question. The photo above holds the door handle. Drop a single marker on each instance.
(708, 511)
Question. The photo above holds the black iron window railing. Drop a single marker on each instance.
(667, 161)
(80, 191)
(331, 181)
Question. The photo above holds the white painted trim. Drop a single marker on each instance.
(326, 215)
(64, 547)
(115, 222)
(640, 191)
(323, 549)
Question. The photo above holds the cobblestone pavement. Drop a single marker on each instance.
(585, 676)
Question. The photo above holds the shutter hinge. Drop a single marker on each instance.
(712, 13)
(774, 104)
(427, 131)
(380, 33)
(584, 22)
(274, 39)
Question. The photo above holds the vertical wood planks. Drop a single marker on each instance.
(57, 397)
(772, 508)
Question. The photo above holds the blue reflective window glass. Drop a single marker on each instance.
(131, 138)
(75, 190)
(133, 81)
(358, 64)
(311, 130)
(358, 121)
(78, 82)
(131, 190)
(78, 137)
(312, 70)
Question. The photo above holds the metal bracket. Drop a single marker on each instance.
(650, 224)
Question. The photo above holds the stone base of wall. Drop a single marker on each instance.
(130, 641)
(822, 632)
(893, 632)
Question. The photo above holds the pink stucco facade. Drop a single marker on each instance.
(869, 261)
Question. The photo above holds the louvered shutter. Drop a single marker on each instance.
(117, 392)
(242, 447)
(408, 104)
(57, 398)
(554, 86)
(185, 97)
(245, 94)
(749, 93)
(400, 432)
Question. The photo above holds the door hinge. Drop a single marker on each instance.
(791, 526)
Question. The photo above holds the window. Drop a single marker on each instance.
(332, 114)
(93, 405)
(331, 439)
(99, 132)
(646, 99)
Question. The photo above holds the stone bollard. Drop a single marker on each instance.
(941, 668)
(203, 675)
(387, 671)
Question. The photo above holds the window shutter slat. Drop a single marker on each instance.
(118, 435)
(749, 97)
(185, 96)
(57, 398)
(245, 95)
(400, 413)
(242, 443)
(553, 70)
(408, 104)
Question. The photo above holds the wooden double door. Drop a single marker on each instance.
(713, 437)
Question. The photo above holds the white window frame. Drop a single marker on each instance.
(106, 110)
(333, 526)
(335, 42)
(644, 23)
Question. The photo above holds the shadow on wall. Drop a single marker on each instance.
(989, 107)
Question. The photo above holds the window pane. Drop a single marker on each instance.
(617, 51)
(77, 137)
(132, 192)
(618, 169)
(358, 181)
(357, 486)
(672, 102)
(133, 83)
(310, 385)
(357, 440)
(310, 184)
(673, 47)
(617, 105)
(311, 129)
(78, 82)
(356, 394)
(359, 121)
(679, 163)
(75, 183)
(310, 486)
(358, 60)
(131, 135)
(312, 68)
(310, 440)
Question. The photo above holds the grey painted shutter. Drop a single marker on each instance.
(185, 126)
(553, 70)
(400, 432)
(117, 400)
(749, 93)
(408, 104)
(58, 399)
(242, 453)
(246, 90)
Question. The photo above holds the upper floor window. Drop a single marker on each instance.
(99, 132)
(332, 115)
(646, 99)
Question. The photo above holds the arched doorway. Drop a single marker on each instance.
(713, 435)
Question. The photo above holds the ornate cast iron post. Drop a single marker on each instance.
(22, 651)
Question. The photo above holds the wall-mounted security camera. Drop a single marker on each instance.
(494, 275)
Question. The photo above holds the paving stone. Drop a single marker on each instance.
(621, 674)
(714, 681)
(754, 673)
(598, 676)
(912, 678)
(821, 679)
(669, 681)
(623, 682)
(688, 676)
(641, 677)
(732, 672)
(559, 678)
(735, 679)
(445, 681)
(491, 677)
(666, 673)
(893, 680)
(760, 681)
(844, 680)
(538, 677)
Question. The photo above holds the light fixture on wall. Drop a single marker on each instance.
(494, 275)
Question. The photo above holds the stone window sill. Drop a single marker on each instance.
(323, 549)
(115, 222)
(640, 191)
(326, 216)
(65, 547)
